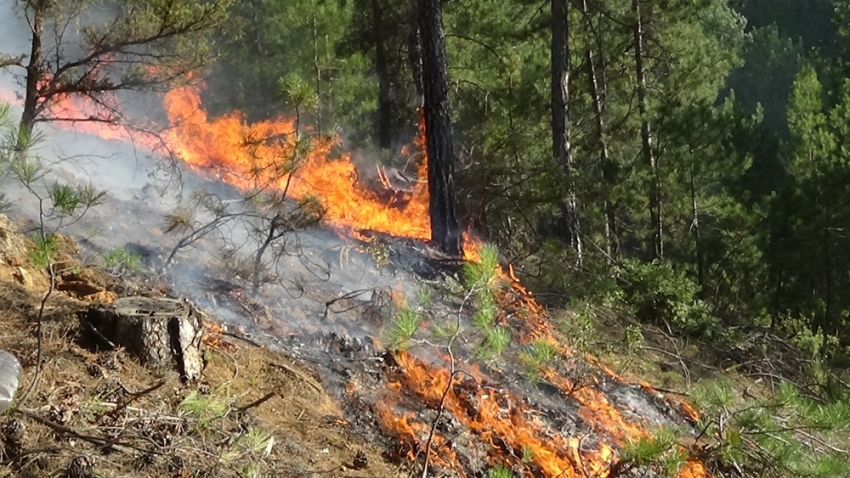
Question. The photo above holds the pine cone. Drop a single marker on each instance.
(13, 431)
(94, 370)
(13, 438)
(80, 467)
(360, 460)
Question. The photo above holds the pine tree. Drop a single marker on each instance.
(146, 45)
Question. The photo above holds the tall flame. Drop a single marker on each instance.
(242, 155)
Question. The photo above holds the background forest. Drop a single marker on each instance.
(704, 189)
(670, 178)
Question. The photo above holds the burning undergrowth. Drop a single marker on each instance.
(451, 367)
(455, 408)
(534, 407)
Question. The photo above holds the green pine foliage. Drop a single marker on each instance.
(787, 434)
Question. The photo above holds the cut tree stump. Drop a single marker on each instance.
(162, 333)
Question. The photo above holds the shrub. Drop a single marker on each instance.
(658, 294)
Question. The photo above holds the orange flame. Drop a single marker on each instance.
(242, 154)
(499, 415)
(268, 155)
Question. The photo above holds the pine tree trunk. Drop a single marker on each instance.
(385, 133)
(830, 325)
(656, 220)
(561, 150)
(696, 232)
(31, 93)
(609, 167)
(257, 33)
(445, 227)
(317, 69)
(414, 51)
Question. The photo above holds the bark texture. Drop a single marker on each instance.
(31, 93)
(382, 65)
(445, 227)
(162, 333)
(561, 149)
(647, 150)
(596, 78)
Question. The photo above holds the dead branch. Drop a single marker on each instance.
(257, 402)
(442, 406)
(135, 396)
(40, 333)
(99, 335)
(242, 338)
(100, 442)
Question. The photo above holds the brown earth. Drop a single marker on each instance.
(100, 413)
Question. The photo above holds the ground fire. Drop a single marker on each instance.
(498, 423)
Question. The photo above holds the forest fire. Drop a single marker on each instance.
(260, 155)
(275, 155)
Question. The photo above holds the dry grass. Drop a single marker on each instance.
(103, 414)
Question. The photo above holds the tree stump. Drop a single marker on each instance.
(162, 333)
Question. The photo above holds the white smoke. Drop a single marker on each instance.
(325, 266)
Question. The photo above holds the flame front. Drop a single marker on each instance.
(498, 416)
(260, 155)
(241, 155)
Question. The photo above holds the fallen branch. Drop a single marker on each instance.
(241, 337)
(97, 333)
(257, 402)
(135, 396)
(100, 442)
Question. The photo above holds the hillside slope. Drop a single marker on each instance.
(99, 413)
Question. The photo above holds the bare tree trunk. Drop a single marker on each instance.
(414, 50)
(610, 171)
(609, 167)
(649, 158)
(385, 133)
(34, 76)
(257, 32)
(445, 227)
(829, 324)
(560, 84)
(317, 68)
(696, 232)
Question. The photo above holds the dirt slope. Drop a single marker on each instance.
(100, 413)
